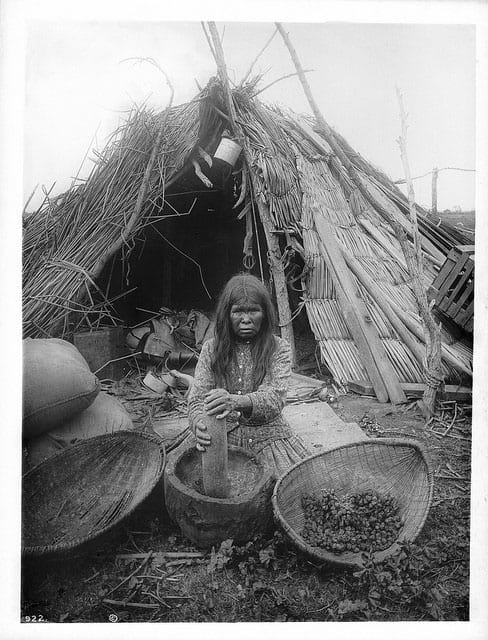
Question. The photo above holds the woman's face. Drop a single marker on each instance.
(246, 318)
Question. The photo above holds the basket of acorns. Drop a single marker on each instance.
(361, 498)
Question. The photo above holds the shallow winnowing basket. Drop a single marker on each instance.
(387, 465)
(86, 490)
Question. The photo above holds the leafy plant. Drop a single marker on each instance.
(399, 582)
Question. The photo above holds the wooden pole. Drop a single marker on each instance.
(381, 300)
(375, 360)
(433, 370)
(278, 273)
(435, 175)
(328, 134)
(215, 460)
(394, 388)
(276, 266)
(434, 377)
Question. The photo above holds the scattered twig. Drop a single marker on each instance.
(160, 554)
(92, 577)
(131, 575)
(288, 75)
(186, 562)
(122, 603)
(153, 595)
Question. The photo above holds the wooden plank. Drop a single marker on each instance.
(466, 318)
(375, 233)
(320, 427)
(449, 281)
(465, 248)
(279, 278)
(417, 349)
(459, 299)
(414, 390)
(373, 344)
(464, 300)
(450, 305)
(352, 306)
(445, 270)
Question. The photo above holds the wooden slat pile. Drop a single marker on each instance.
(453, 288)
(344, 240)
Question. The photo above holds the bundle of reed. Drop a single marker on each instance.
(326, 319)
(343, 360)
(72, 235)
(393, 283)
(444, 235)
(83, 225)
(270, 153)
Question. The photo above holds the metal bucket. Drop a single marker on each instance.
(228, 151)
(159, 384)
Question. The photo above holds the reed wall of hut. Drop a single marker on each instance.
(198, 221)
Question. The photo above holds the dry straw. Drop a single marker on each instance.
(297, 176)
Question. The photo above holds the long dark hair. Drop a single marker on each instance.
(243, 287)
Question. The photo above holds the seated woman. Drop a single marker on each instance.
(242, 377)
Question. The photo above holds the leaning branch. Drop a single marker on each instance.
(433, 361)
(378, 364)
(288, 75)
(248, 72)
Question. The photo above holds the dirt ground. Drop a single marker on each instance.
(269, 579)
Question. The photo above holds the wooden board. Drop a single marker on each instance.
(453, 288)
(320, 427)
(99, 348)
(414, 390)
(356, 315)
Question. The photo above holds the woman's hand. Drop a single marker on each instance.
(202, 436)
(219, 403)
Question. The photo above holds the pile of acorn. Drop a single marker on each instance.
(353, 522)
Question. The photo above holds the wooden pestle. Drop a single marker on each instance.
(215, 459)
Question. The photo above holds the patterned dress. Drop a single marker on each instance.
(264, 430)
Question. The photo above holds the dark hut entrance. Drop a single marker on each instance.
(183, 258)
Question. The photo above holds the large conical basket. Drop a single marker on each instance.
(85, 491)
(390, 466)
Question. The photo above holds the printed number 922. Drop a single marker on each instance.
(39, 618)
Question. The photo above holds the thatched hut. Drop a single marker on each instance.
(160, 222)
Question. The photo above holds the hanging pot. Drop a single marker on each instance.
(228, 151)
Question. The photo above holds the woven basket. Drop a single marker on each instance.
(391, 466)
(86, 490)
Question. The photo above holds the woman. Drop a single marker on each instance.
(242, 377)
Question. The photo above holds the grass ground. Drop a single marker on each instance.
(268, 579)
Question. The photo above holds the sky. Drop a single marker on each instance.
(80, 77)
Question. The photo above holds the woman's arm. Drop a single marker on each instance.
(203, 383)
